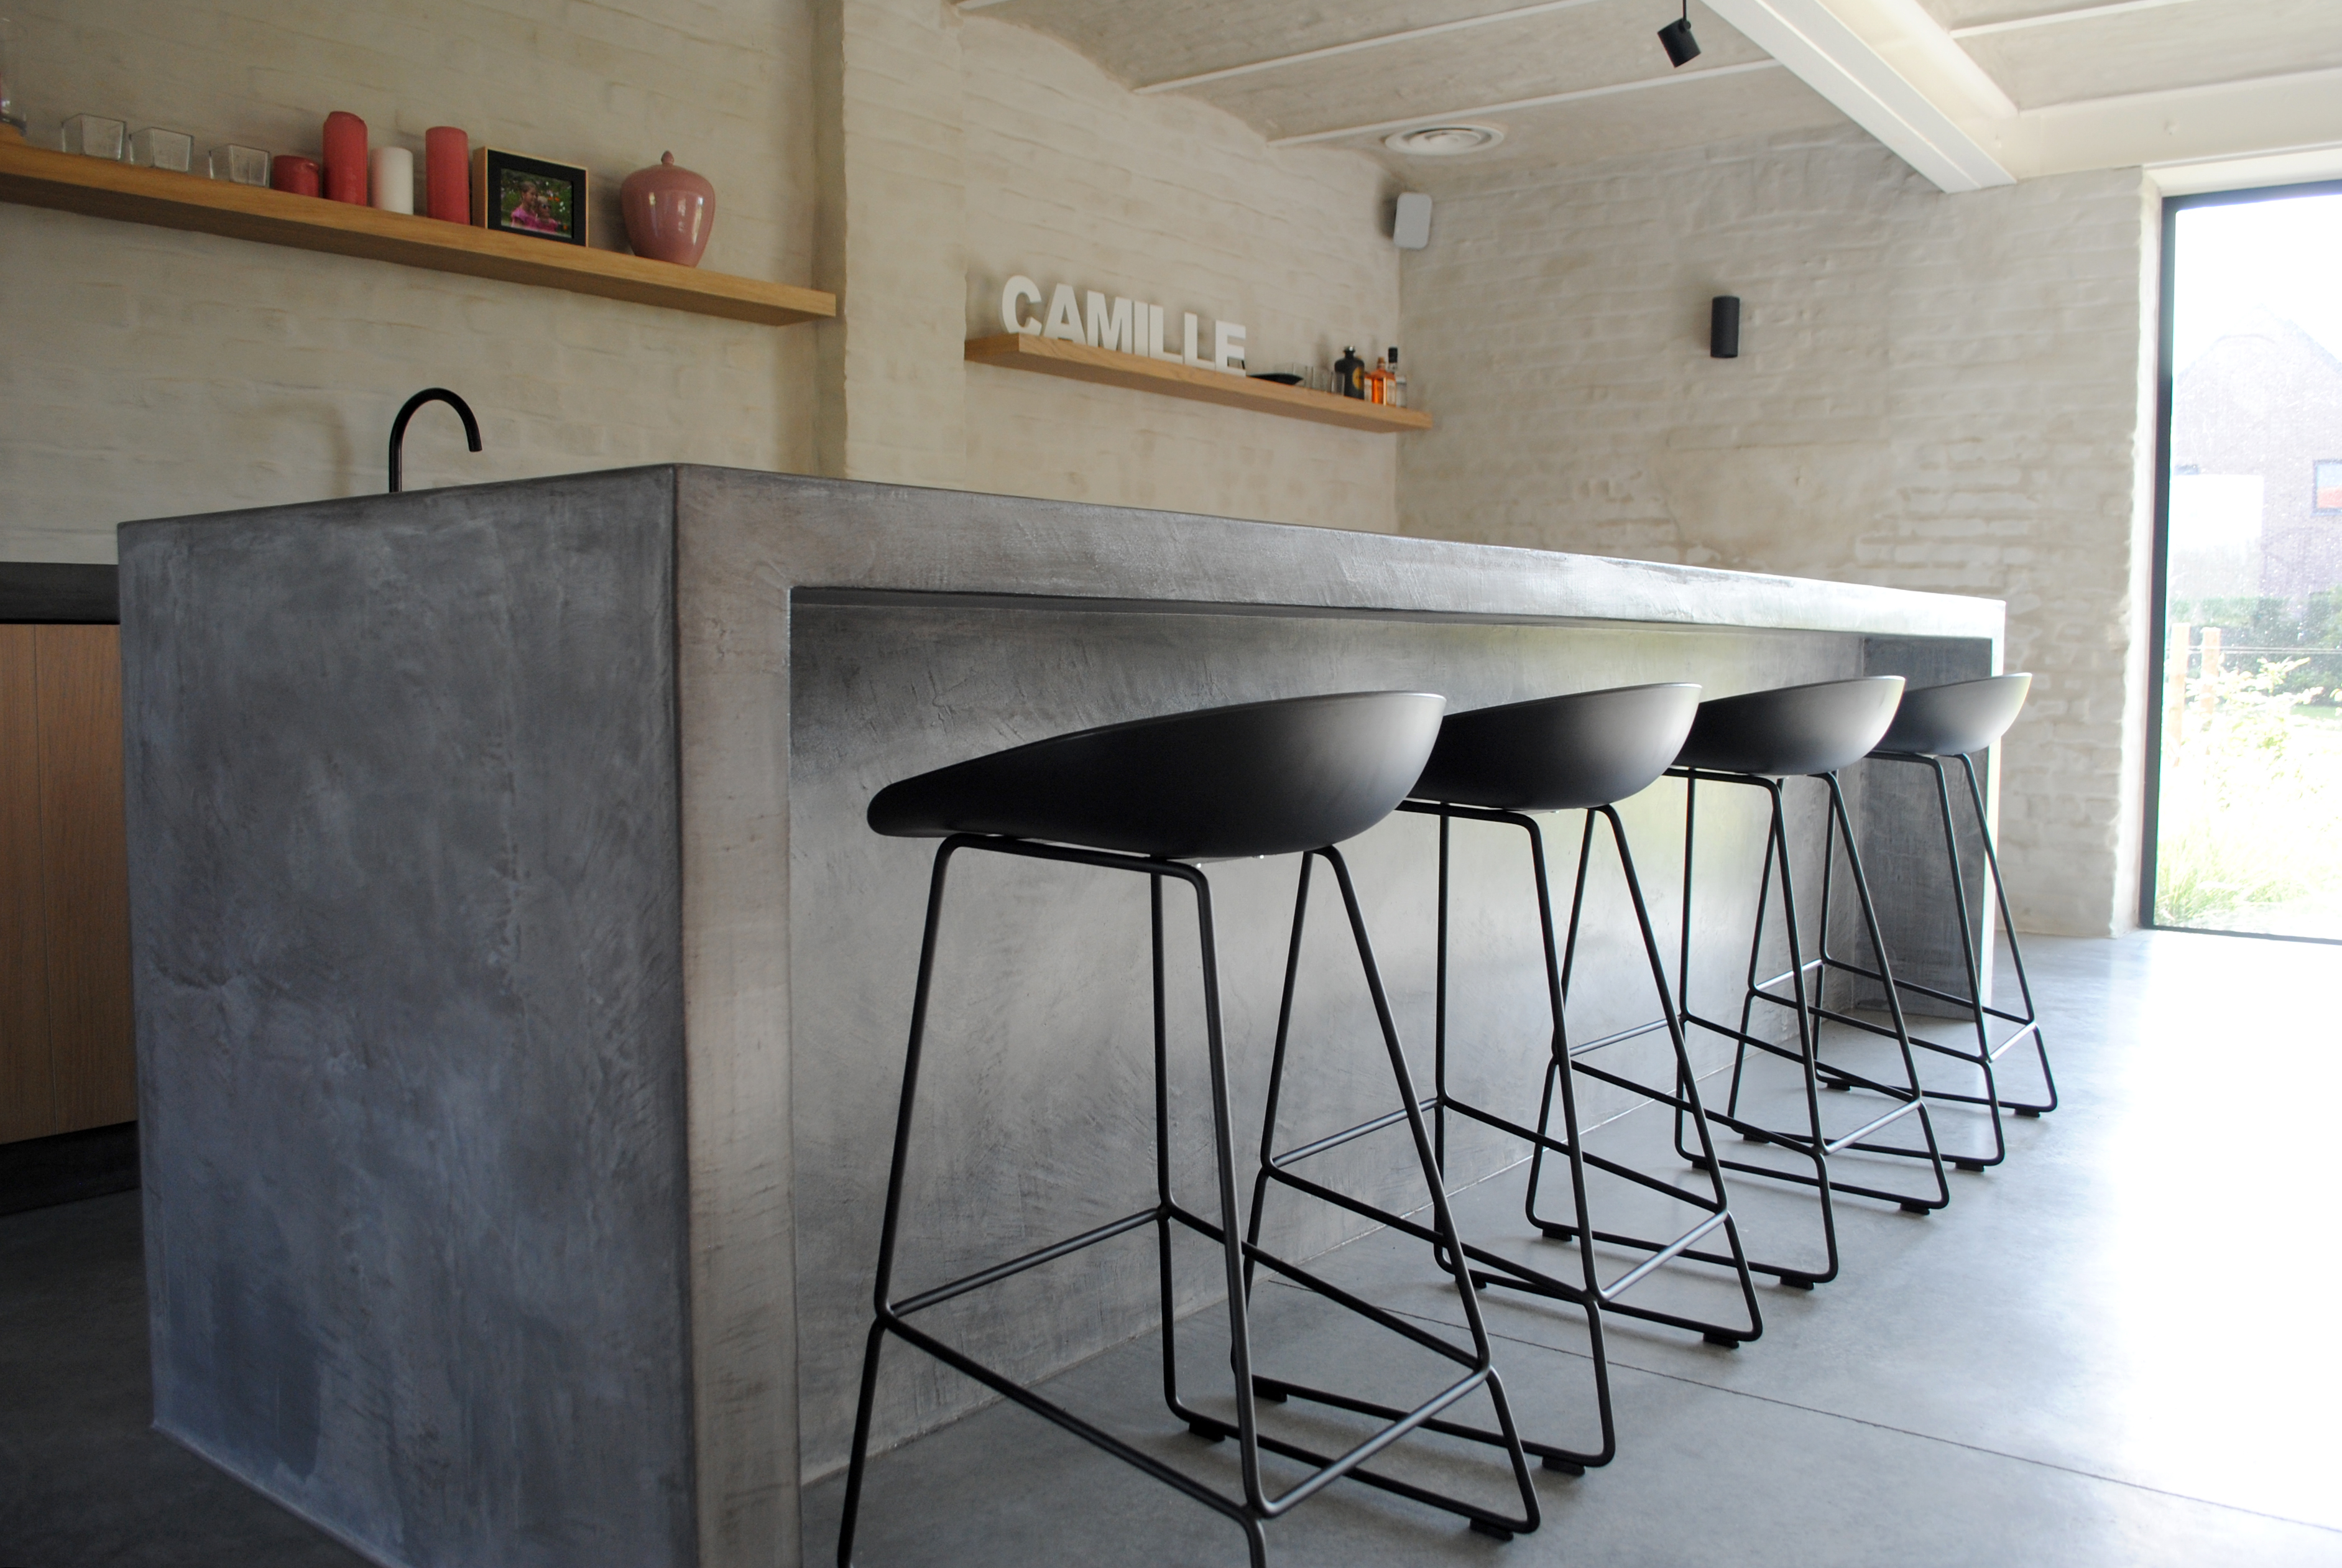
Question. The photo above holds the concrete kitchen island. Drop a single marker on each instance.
(521, 997)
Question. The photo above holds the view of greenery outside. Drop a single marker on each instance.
(2248, 790)
(2251, 804)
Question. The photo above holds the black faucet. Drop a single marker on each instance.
(398, 425)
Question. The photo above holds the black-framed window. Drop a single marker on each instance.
(2236, 631)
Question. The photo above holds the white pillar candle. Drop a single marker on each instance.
(392, 181)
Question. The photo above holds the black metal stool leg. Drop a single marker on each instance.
(1893, 985)
(1975, 954)
(2030, 1021)
(858, 1459)
(1441, 1235)
(1684, 1101)
(1912, 1100)
(1972, 958)
(1838, 828)
(1812, 1144)
(1562, 1066)
(1587, 1291)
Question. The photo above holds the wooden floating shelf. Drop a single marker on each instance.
(75, 183)
(1062, 357)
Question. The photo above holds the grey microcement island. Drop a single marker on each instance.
(521, 996)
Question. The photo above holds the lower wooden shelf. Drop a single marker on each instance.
(1079, 361)
(38, 177)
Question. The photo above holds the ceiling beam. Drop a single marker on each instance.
(1379, 127)
(2054, 19)
(2296, 114)
(1830, 57)
(1516, 14)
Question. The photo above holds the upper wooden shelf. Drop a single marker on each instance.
(1062, 357)
(38, 177)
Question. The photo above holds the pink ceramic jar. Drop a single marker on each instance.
(669, 211)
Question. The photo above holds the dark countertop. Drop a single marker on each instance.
(44, 591)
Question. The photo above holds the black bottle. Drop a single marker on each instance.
(1350, 374)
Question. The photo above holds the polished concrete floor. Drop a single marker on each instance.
(2107, 1351)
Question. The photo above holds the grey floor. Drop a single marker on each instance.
(2111, 1350)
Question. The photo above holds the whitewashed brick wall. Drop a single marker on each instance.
(151, 373)
(1071, 178)
(1933, 392)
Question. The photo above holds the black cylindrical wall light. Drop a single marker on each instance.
(1724, 326)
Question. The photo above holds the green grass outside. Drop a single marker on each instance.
(2250, 810)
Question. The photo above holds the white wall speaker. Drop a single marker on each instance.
(1411, 224)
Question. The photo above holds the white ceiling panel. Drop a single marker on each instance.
(2163, 47)
(1587, 48)
(1755, 103)
(1141, 41)
(2102, 59)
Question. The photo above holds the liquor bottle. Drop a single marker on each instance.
(1350, 374)
(1397, 380)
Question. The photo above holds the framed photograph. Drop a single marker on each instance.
(515, 194)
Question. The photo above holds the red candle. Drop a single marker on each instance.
(291, 172)
(345, 158)
(448, 173)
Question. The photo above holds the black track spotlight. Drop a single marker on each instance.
(1681, 47)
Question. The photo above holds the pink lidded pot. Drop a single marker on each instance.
(669, 211)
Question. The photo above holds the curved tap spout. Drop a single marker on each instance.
(398, 426)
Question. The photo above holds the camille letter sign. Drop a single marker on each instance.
(1130, 326)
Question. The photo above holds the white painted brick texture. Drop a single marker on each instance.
(1933, 392)
(1071, 178)
(152, 372)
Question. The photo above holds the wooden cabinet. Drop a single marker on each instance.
(65, 1061)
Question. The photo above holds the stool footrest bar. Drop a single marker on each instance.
(1274, 1389)
(1335, 1140)
(1279, 1389)
(999, 1272)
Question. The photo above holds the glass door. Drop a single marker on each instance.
(2245, 819)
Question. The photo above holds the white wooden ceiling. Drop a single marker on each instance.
(1973, 92)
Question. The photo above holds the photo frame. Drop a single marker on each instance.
(514, 194)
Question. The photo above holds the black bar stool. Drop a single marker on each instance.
(1580, 752)
(1759, 740)
(1153, 797)
(1957, 720)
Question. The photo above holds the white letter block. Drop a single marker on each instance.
(1012, 299)
(1153, 348)
(1065, 315)
(1109, 329)
(1188, 355)
(1227, 344)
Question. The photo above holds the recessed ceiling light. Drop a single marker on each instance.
(1443, 140)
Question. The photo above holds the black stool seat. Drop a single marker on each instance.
(1568, 753)
(1259, 778)
(1957, 720)
(1815, 729)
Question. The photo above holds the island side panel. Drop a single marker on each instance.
(406, 953)
(732, 643)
